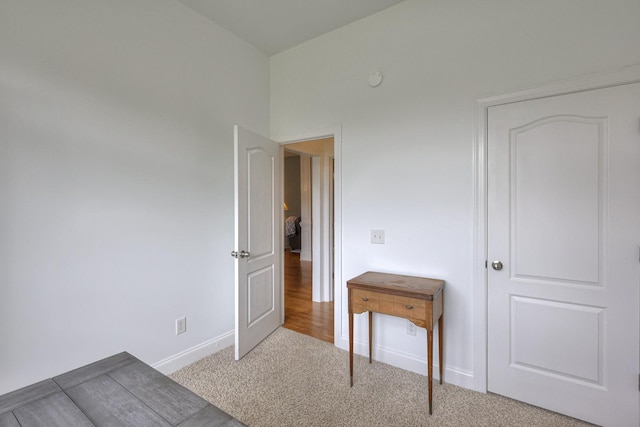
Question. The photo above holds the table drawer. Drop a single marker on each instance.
(416, 313)
(371, 301)
(410, 307)
(362, 301)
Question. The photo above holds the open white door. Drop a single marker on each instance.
(563, 237)
(258, 239)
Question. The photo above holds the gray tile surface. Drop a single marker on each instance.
(211, 416)
(117, 391)
(107, 403)
(165, 396)
(56, 410)
(93, 370)
(8, 420)
(27, 394)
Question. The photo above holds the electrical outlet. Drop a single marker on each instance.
(181, 325)
(411, 328)
(377, 236)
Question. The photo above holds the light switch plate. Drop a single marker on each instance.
(377, 236)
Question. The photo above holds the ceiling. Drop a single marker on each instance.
(274, 26)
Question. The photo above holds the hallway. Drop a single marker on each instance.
(301, 314)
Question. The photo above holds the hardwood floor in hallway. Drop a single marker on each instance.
(301, 314)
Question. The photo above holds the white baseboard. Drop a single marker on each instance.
(411, 363)
(184, 358)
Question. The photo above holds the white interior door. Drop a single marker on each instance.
(564, 221)
(258, 239)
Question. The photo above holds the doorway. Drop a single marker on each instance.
(308, 235)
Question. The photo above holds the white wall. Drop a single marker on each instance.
(407, 146)
(116, 179)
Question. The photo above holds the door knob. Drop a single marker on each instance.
(241, 254)
(497, 265)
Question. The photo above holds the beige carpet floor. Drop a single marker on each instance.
(291, 379)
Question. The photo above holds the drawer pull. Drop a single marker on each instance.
(365, 299)
(409, 307)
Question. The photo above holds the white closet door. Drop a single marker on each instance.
(564, 223)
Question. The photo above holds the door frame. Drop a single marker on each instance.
(480, 173)
(334, 132)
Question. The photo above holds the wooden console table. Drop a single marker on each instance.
(420, 300)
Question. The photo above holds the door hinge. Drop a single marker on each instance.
(638, 382)
(486, 264)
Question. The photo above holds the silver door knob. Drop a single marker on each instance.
(497, 265)
(241, 254)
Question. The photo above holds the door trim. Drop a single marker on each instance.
(480, 174)
(326, 132)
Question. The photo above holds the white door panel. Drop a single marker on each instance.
(543, 346)
(564, 219)
(555, 166)
(257, 232)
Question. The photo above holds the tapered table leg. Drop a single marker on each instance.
(351, 346)
(370, 333)
(440, 332)
(430, 365)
